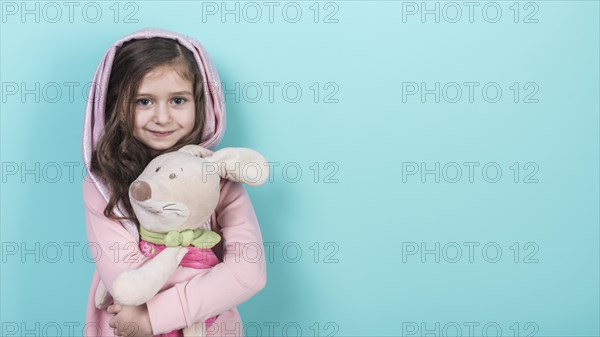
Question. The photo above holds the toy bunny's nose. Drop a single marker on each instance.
(140, 190)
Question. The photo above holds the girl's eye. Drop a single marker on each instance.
(158, 168)
(143, 101)
(172, 176)
(179, 100)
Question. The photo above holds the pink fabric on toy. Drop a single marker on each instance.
(195, 258)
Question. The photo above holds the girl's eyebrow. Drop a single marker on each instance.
(185, 92)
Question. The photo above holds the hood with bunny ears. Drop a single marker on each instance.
(214, 126)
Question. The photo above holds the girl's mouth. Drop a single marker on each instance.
(160, 134)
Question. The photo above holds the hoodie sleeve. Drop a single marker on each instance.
(228, 284)
(111, 246)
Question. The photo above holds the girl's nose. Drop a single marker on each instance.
(162, 114)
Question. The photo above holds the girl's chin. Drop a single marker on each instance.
(156, 148)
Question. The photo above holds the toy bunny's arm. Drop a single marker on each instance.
(228, 284)
(135, 287)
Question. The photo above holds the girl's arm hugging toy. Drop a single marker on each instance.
(172, 199)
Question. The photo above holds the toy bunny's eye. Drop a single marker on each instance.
(158, 168)
(172, 176)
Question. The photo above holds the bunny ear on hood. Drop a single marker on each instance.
(214, 120)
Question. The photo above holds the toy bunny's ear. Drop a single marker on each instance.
(196, 150)
(241, 164)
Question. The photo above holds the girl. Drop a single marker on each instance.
(151, 95)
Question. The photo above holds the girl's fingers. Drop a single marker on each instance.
(114, 308)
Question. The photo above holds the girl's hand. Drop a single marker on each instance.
(130, 321)
(196, 150)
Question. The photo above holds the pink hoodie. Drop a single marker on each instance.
(191, 295)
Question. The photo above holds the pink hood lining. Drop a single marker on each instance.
(214, 126)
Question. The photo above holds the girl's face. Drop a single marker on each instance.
(165, 109)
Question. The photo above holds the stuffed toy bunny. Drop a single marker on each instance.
(173, 198)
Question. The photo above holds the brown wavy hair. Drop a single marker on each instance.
(120, 158)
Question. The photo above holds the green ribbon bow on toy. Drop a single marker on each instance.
(200, 238)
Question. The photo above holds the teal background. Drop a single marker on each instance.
(362, 214)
